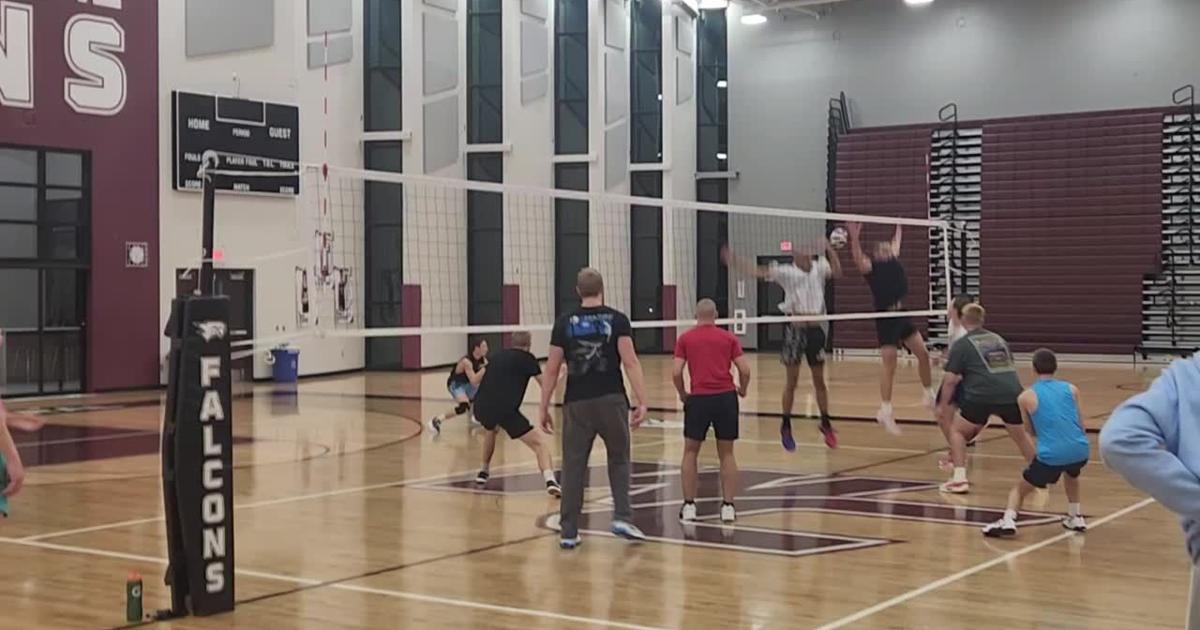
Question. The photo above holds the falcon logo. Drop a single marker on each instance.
(210, 330)
(657, 495)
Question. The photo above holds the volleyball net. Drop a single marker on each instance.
(386, 254)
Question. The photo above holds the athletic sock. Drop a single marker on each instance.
(886, 407)
(548, 475)
(1073, 509)
(960, 474)
(787, 421)
(825, 420)
(1010, 516)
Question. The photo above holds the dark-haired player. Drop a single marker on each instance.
(888, 281)
(463, 382)
(498, 406)
(1050, 408)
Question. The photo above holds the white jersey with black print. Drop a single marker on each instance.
(803, 291)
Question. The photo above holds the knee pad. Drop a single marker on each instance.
(462, 408)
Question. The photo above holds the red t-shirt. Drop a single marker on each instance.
(709, 352)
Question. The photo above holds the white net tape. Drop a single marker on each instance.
(430, 226)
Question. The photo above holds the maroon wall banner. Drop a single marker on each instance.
(83, 75)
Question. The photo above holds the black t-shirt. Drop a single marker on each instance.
(588, 337)
(503, 385)
(888, 282)
(461, 378)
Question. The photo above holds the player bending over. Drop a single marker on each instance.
(803, 283)
(1051, 412)
(888, 281)
(982, 366)
(498, 406)
(708, 352)
(463, 382)
(595, 342)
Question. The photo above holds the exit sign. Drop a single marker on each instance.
(785, 246)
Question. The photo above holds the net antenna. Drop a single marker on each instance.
(209, 162)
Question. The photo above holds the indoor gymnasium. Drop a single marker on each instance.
(629, 314)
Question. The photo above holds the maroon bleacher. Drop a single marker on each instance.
(883, 172)
(1070, 224)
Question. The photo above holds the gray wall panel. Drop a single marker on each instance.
(536, 8)
(341, 50)
(616, 156)
(449, 5)
(534, 88)
(684, 79)
(685, 35)
(615, 19)
(224, 26)
(441, 53)
(441, 133)
(616, 87)
(333, 16)
(535, 48)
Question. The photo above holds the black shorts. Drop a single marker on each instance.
(979, 413)
(718, 410)
(955, 396)
(1039, 474)
(514, 423)
(892, 331)
(807, 342)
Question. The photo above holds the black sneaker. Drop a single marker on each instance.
(553, 489)
(481, 479)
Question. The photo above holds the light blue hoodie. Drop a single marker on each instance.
(1153, 440)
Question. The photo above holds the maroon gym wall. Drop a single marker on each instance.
(1070, 225)
(122, 314)
(883, 172)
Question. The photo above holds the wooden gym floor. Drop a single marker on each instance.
(350, 516)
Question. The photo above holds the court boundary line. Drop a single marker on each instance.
(978, 568)
(318, 584)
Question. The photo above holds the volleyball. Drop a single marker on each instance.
(838, 237)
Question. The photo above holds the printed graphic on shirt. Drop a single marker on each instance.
(591, 333)
(994, 352)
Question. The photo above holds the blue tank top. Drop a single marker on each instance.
(1060, 438)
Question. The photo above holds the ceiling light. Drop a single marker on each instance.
(714, 4)
(913, 3)
(722, 83)
(750, 19)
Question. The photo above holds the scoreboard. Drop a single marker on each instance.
(249, 136)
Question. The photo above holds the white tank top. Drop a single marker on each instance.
(956, 331)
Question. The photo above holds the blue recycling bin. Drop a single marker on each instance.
(285, 366)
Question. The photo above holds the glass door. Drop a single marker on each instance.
(42, 317)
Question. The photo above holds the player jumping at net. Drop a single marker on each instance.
(1050, 409)
(708, 353)
(463, 382)
(595, 342)
(498, 406)
(888, 282)
(803, 282)
(982, 365)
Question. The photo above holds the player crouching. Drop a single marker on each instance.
(1050, 408)
(498, 406)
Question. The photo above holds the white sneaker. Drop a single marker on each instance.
(956, 487)
(1000, 528)
(435, 424)
(569, 543)
(1074, 523)
(627, 530)
(553, 489)
(887, 419)
(687, 512)
(930, 399)
(728, 514)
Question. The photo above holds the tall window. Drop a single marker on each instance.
(383, 203)
(571, 77)
(485, 125)
(571, 234)
(645, 89)
(45, 218)
(646, 262)
(712, 155)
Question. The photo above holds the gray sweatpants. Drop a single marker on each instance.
(583, 420)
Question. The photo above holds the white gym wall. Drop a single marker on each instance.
(250, 226)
